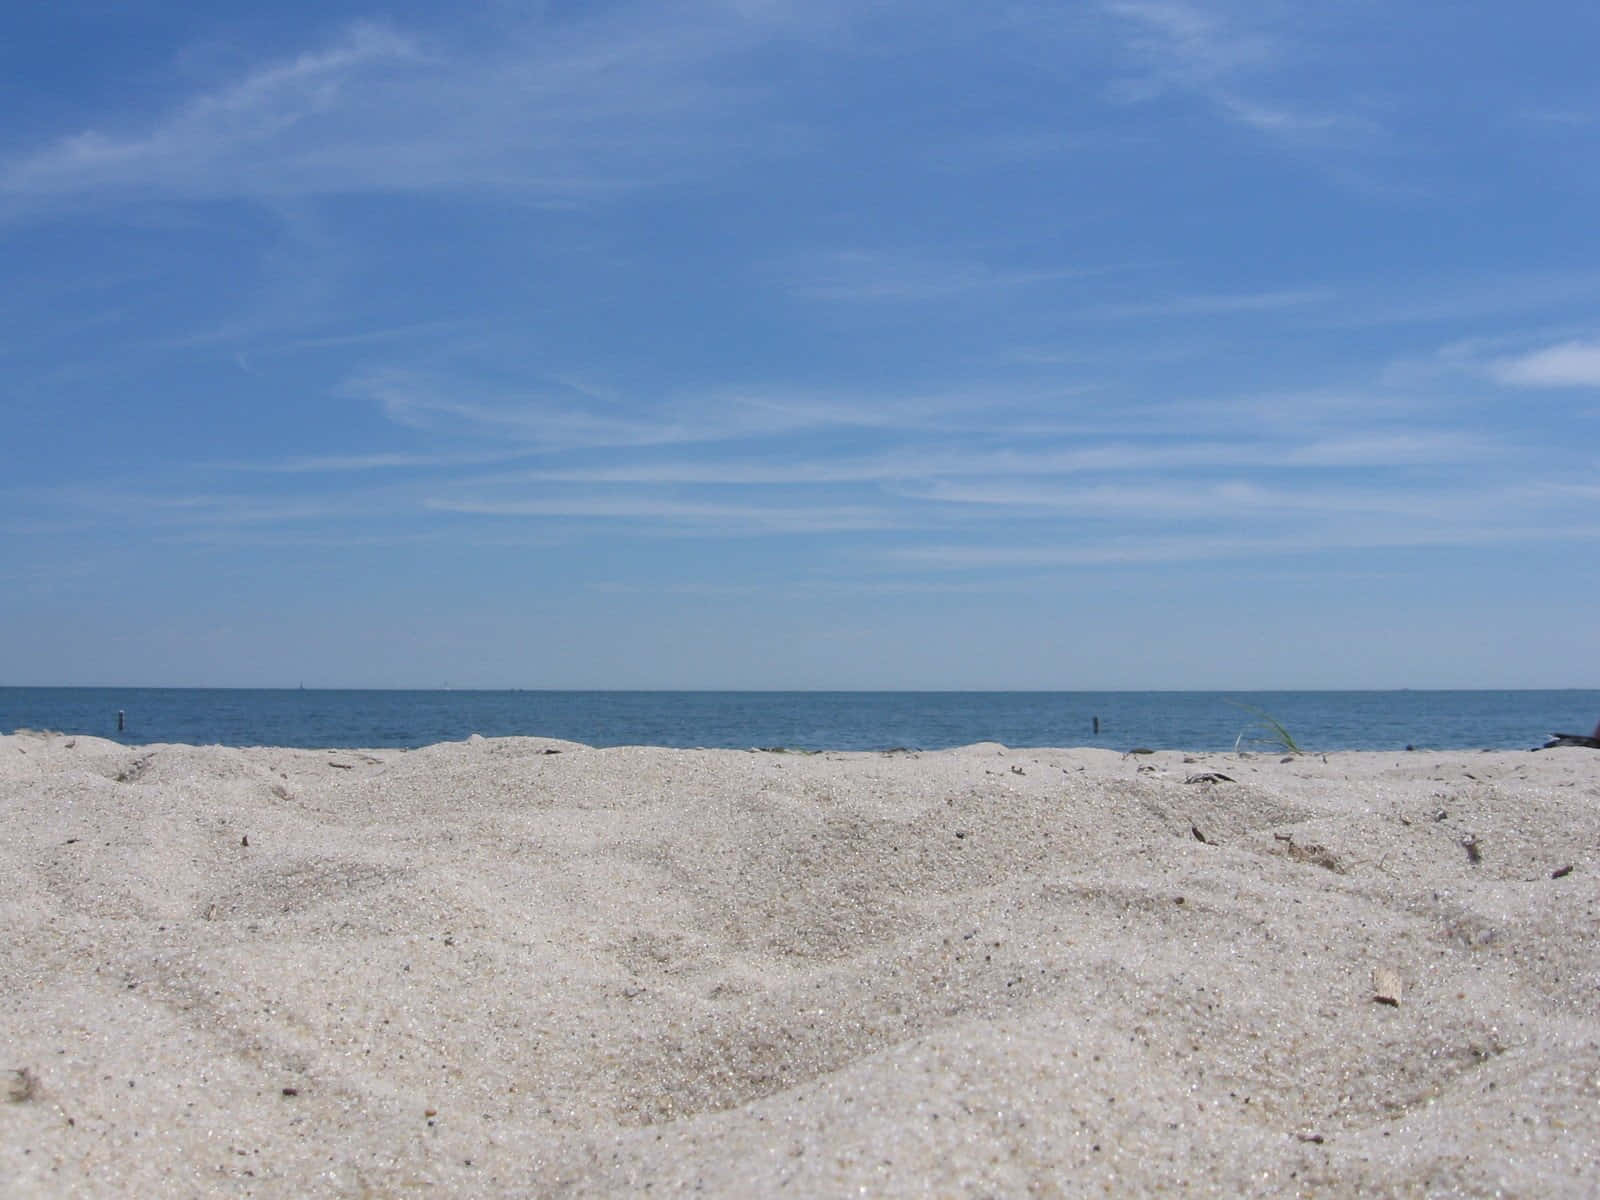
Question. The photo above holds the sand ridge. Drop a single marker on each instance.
(527, 967)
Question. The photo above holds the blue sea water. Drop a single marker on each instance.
(807, 720)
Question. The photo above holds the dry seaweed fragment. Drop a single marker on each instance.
(18, 1085)
(1209, 777)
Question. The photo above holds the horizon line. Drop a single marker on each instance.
(771, 691)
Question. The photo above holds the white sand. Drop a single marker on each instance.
(487, 969)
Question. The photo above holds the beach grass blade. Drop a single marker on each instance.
(1278, 736)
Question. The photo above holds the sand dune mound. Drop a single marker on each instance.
(518, 966)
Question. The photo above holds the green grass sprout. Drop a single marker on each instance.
(1277, 735)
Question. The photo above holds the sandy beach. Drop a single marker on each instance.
(518, 967)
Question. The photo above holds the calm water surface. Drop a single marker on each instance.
(806, 720)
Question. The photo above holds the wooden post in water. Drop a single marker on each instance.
(1097, 724)
(121, 719)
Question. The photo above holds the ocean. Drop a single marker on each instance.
(1317, 721)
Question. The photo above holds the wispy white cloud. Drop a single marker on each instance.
(561, 109)
(860, 275)
(554, 414)
(1564, 118)
(1403, 419)
(1109, 551)
(173, 505)
(1208, 500)
(1220, 304)
(302, 537)
(961, 428)
(724, 518)
(1388, 449)
(1185, 47)
(229, 509)
(540, 412)
(1451, 299)
(1012, 147)
(1276, 119)
(380, 461)
(552, 110)
(368, 337)
(208, 139)
(1570, 364)
(546, 412)
(1191, 43)
(1263, 484)
(1132, 549)
(1368, 451)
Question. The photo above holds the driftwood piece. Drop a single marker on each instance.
(1386, 986)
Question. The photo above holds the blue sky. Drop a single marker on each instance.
(1136, 344)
